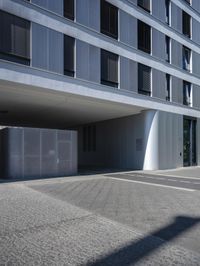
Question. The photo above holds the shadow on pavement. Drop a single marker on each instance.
(134, 252)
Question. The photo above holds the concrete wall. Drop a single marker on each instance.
(150, 140)
(32, 152)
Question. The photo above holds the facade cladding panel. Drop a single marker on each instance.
(34, 152)
(124, 74)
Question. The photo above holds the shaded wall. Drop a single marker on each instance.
(149, 140)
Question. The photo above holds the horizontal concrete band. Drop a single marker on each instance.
(60, 24)
(13, 75)
(188, 9)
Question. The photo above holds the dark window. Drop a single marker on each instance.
(168, 87)
(144, 80)
(69, 9)
(14, 38)
(187, 93)
(186, 24)
(186, 58)
(188, 1)
(109, 68)
(167, 49)
(109, 19)
(145, 4)
(144, 37)
(167, 11)
(69, 56)
(89, 138)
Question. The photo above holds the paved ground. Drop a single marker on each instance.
(117, 219)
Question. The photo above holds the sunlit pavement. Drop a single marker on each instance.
(115, 219)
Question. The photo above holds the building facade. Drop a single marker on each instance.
(124, 73)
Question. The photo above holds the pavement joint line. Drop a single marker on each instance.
(177, 176)
(152, 184)
(182, 181)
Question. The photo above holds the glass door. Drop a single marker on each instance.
(189, 142)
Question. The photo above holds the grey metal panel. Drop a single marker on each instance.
(176, 17)
(158, 9)
(82, 60)
(196, 96)
(170, 140)
(47, 49)
(196, 5)
(87, 61)
(176, 53)
(31, 152)
(158, 84)
(128, 74)
(195, 31)
(198, 141)
(128, 29)
(52, 5)
(95, 64)
(87, 13)
(196, 63)
(158, 44)
(94, 18)
(177, 90)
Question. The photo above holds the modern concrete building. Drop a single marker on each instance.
(124, 73)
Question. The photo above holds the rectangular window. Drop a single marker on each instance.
(145, 4)
(144, 37)
(109, 68)
(89, 138)
(144, 80)
(69, 9)
(167, 49)
(14, 38)
(69, 56)
(167, 11)
(168, 87)
(186, 58)
(109, 19)
(186, 24)
(187, 93)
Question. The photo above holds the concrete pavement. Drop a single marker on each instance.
(97, 220)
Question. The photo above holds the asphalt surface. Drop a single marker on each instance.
(117, 219)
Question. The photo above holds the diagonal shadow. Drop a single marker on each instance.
(135, 251)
